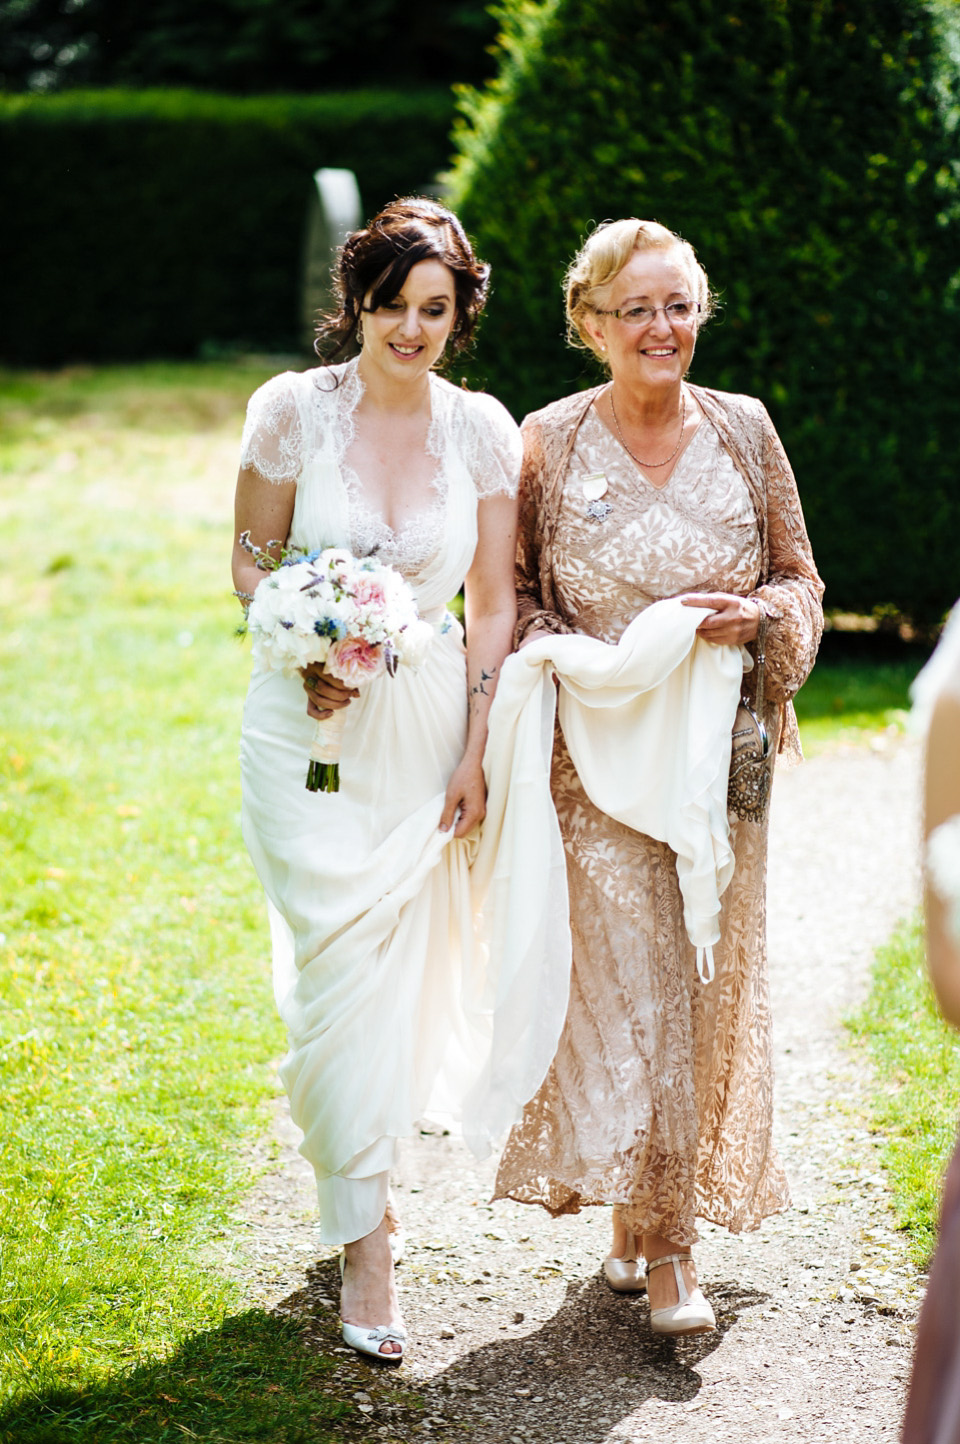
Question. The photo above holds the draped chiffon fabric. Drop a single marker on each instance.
(388, 989)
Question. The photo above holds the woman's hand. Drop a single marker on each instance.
(467, 791)
(325, 694)
(735, 620)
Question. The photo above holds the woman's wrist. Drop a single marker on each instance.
(475, 747)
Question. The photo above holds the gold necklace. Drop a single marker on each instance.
(683, 417)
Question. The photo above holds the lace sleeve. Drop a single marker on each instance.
(491, 444)
(791, 596)
(533, 615)
(272, 441)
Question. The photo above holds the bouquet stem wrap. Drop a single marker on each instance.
(323, 773)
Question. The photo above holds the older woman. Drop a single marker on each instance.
(659, 1100)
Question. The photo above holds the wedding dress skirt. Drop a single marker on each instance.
(368, 902)
(403, 995)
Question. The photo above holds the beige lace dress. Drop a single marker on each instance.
(660, 1095)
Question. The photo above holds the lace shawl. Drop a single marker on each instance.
(790, 590)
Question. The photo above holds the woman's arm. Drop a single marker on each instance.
(533, 618)
(792, 595)
(265, 510)
(490, 614)
(941, 802)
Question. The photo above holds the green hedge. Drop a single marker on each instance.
(808, 149)
(151, 223)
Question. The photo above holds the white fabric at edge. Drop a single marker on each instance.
(648, 723)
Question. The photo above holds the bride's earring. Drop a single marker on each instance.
(359, 333)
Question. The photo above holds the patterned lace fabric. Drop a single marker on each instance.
(789, 589)
(660, 1097)
(696, 533)
(298, 414)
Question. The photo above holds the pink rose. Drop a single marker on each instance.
(354, 661)
(369, 589)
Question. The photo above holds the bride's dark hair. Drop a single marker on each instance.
(376, 261)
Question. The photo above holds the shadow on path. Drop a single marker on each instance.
(537, 1386)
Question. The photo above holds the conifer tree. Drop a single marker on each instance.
(807, 149)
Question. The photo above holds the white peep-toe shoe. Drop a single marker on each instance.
(367, 1340)
(627, 1274)
(691, 1314)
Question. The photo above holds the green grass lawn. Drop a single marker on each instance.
(851, 702)
(917, 1100)
(137, 1033)
(137, 1030)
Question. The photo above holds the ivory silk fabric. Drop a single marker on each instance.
(389, 999)
(933, 1403)
(660, 1096)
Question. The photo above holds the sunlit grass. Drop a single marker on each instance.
(917, 1102)
(137, 1032)
(850, 702)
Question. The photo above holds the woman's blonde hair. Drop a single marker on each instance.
(603, 256)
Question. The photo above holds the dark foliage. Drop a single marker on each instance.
(807, 148)
(147, 224)
(243, 46)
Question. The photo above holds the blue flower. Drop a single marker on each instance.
(330, 627)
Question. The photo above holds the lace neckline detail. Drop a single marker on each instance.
(417, 540)
(635, 469)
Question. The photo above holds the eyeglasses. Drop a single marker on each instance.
(678, 313)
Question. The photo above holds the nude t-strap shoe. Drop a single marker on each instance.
(691, 1314)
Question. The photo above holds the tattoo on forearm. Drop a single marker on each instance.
(481, 686)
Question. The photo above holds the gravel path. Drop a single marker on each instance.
(515, 1339)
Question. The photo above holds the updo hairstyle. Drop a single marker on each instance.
(376, 261)
(603, 256)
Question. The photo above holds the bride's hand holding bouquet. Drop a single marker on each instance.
(338, 621)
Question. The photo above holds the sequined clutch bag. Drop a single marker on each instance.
(751, 756)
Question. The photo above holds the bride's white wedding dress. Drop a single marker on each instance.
(388, 999)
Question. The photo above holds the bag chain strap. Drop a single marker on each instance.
(761, 661)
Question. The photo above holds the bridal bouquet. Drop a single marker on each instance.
(354, 616)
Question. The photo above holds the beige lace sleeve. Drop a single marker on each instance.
(534, 611)
(791, 595)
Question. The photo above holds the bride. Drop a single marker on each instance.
(368, 888)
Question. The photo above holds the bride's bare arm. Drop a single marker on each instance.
(490, 614)
(265, 510)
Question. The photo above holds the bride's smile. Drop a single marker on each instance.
(406, 336)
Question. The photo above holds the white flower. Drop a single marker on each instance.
(414, 643)
(358, 606)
